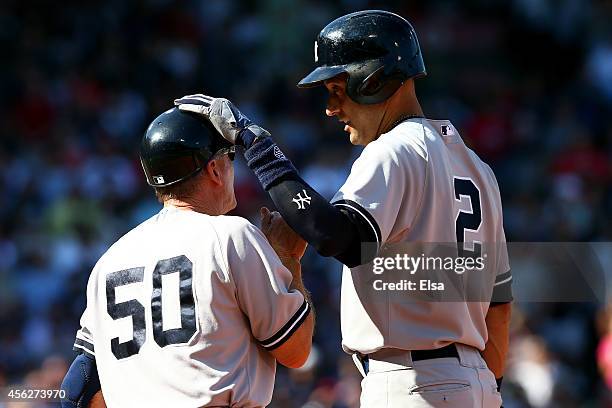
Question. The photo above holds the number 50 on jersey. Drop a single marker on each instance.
(179, 264)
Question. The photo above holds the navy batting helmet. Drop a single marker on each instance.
(378, 50)
(176, 146)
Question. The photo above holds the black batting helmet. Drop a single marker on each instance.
(176, 146)
(378, 50)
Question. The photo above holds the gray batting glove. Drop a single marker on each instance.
(224, 116)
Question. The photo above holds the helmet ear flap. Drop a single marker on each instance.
(373, 83)
(377, 87)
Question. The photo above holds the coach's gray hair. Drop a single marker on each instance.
(180, 190)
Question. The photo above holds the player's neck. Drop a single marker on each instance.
(193, 204)
(403, 105)
(397, 116)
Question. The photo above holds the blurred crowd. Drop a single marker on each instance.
(528, 83)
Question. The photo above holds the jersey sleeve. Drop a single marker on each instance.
(262, 284)
(83, 342)
(84, 339)
(379, 185)
(502, 288)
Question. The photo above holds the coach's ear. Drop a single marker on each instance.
(214, 172)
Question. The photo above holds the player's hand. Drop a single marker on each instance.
(282, 238)
(223, 114)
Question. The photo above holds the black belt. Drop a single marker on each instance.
(418, 355)
(444, 352)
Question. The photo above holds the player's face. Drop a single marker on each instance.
(362, 122)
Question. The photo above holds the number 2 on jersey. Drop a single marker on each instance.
(179, 264)
(467, 220)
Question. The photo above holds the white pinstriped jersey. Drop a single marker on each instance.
(183, 311)
(419, 183)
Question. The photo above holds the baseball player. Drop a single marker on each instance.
(192, 308)
(415, 181)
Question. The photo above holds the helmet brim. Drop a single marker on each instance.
(320, 74)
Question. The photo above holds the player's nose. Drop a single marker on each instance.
(330, 112)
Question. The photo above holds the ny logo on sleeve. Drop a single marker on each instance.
(302, 201)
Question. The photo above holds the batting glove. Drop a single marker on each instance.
(224, 116)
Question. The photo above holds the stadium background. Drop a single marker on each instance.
(527, 82)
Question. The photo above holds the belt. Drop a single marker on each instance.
(444, 352)
(362, 361)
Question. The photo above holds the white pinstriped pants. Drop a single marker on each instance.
(394, 381)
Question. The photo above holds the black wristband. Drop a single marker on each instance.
(267, 161)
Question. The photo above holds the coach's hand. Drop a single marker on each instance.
(224, 116)
(282, 238)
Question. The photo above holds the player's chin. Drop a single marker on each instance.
(354, 137)
(357, 138)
